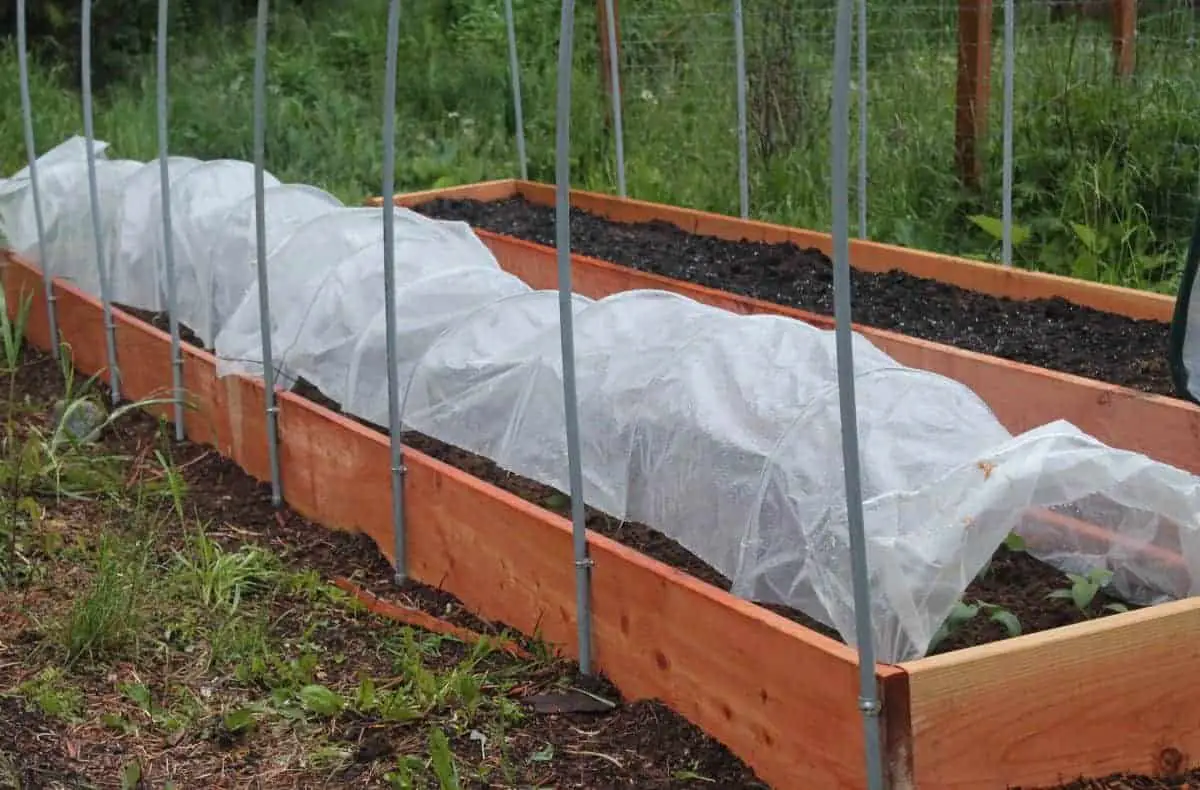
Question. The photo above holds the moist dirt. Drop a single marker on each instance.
(1048, 333)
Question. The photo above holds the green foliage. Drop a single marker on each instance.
(120, 29)
(1084, 588)
(105, 618)
(1105, 171)
(963, 613)
(220, 579)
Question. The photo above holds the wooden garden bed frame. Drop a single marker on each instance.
(1091, 698)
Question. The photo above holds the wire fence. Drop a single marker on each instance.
(1097, 159)
(1100, 154)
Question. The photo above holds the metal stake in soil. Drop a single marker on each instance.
(260, 228)
(31, 154)
(614, 71)
(1006, 196)
(566, 320)
(389, 289)
(739, 39)
(89, 133)
(869, 702)
(514, 69)
(168, 238)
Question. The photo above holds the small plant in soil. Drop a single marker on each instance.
(1013, 543)
(964, 612)
(1083, 590)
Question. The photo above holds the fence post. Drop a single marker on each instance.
(1124, 33)
(974, 87)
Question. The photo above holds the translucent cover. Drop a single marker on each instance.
(721, 431)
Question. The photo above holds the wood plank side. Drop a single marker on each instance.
(871, 256)
(486, 191)
(1022, 396)
(1110, 695)
(780, 696)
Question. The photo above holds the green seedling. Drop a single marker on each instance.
(963, 613)
(1013, 543)
(1084, 588)
(220, 579)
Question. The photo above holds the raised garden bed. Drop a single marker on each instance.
(1114, 335)
(1006, 303)
(749, 683)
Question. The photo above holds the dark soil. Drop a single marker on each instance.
(1048, 333)
(1188, 781)
(658, 746)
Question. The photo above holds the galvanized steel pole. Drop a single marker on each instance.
(862, 119)
(514, 69)
(869, 702)
(260, 228)
(31, 154)
(89, 132)
(739, 37)
(389, 291)
(614, 71)
(168, 238)
(1006, 194)
(562, 177)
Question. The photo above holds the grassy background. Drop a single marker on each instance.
(1106, 173)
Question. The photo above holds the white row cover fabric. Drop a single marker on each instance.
(721, 431)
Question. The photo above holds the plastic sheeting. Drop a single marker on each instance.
(721, 431)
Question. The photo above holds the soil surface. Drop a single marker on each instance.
(1048, 333)
(641, 744)
(1188, 781)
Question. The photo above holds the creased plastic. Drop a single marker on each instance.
(721, 431)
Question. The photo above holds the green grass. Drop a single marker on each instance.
(129, 621)
(1106, 173)
(147, 629)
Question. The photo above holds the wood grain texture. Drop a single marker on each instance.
(1114, 694)
(973, 89)
(780, 696)
(1022, 396)
(1124, 36)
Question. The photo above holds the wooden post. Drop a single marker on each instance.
(1124, 31)
(606, 53)
(974, 87)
